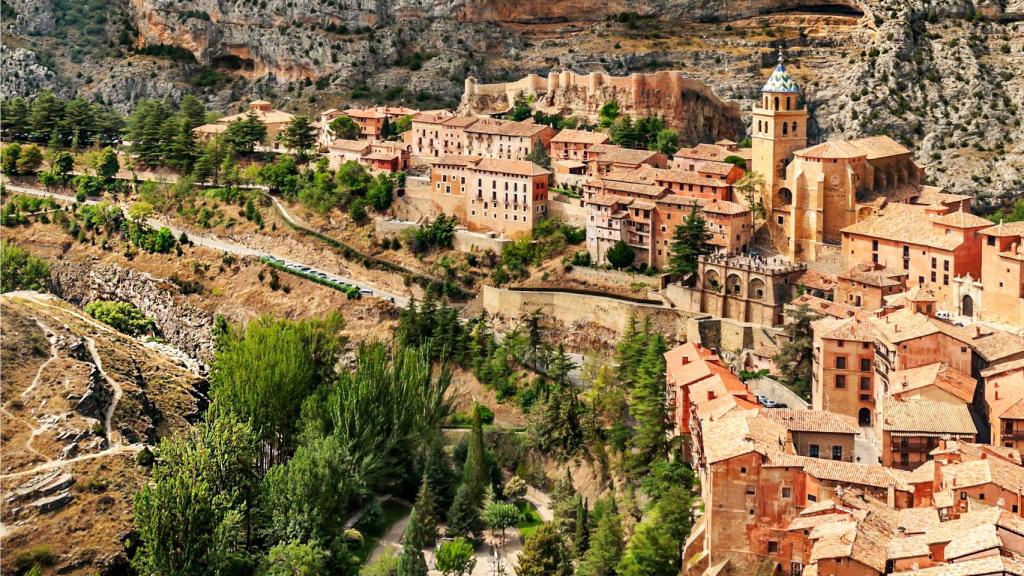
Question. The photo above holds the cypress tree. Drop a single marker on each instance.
(412, 562)
(648, 405)
(582, 539)
(606, 547)
(474, 472)
(420, 532)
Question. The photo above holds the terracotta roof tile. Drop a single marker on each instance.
(874, 275)
(711, 152)
(580, 137)
(984, 566)
(516, 167)
(905, 223)
(924, 417)
(831, 149)
(961, 219)
(506, 128)
(816, 279)
(1006, 229)
(939, 375)
(811, 421)
(717, 206)
(879, 147)
(455, 160)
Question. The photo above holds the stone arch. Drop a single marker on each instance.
(733, 285)
(756, 289)
(786, 195)
(712, 281)
(864, 417)
(967, 307)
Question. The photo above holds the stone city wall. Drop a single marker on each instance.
(571, 308)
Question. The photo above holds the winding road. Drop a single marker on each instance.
(215, 243)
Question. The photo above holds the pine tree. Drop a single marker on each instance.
(192, 112)
(439, 475)
(564, 505)
(648, 405)
(795, 356)
(690, 241)
(412, 562)
(560, 366)
(421, 531)
(605, 552)
(474, 471)
(426, 503)
(545, 554)
(464, 515)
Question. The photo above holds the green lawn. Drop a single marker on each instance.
(392, 512)
(529, 519)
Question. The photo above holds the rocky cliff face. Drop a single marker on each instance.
(942, 76)
(185, 327)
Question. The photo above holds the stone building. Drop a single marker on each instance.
(506, 197)
(505, 139)
(372, 122)
(687, 105)
(843, 379)
(811, 194)
(817, 433)
(386, 157)
(427, 135)
(276, 121)
(997, 295)
(575, 144)
(1003, 405)
(932, 245)
(866, 285)
(911, 429)
(744, 288)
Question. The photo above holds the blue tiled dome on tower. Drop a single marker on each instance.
(780, 81)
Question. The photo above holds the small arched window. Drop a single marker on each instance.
(785, 128)
(765, 101)
(794, 128)
(789, 101)
(776, 103)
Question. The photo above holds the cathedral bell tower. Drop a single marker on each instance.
(778, 128)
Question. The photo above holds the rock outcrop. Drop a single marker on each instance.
(182, 325)
(686, 104)
(942, 76)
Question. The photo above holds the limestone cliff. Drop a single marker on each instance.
(942, 76)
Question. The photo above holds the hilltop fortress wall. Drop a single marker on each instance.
(687, 105)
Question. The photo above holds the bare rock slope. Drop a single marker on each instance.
(80, 401)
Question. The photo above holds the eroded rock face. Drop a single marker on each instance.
(184, 326)
(23, 74)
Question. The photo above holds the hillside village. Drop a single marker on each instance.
(843, 362)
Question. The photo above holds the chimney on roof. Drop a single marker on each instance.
(938, 551)
(711, 394)
(685, 360)
(977, 331)
(890, 497)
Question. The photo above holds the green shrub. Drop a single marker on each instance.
(20, 270)
(123, 316)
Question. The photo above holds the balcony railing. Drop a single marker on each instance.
(1012, 435)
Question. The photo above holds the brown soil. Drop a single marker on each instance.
(48, 368)
(239, 292)
(467, 389)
